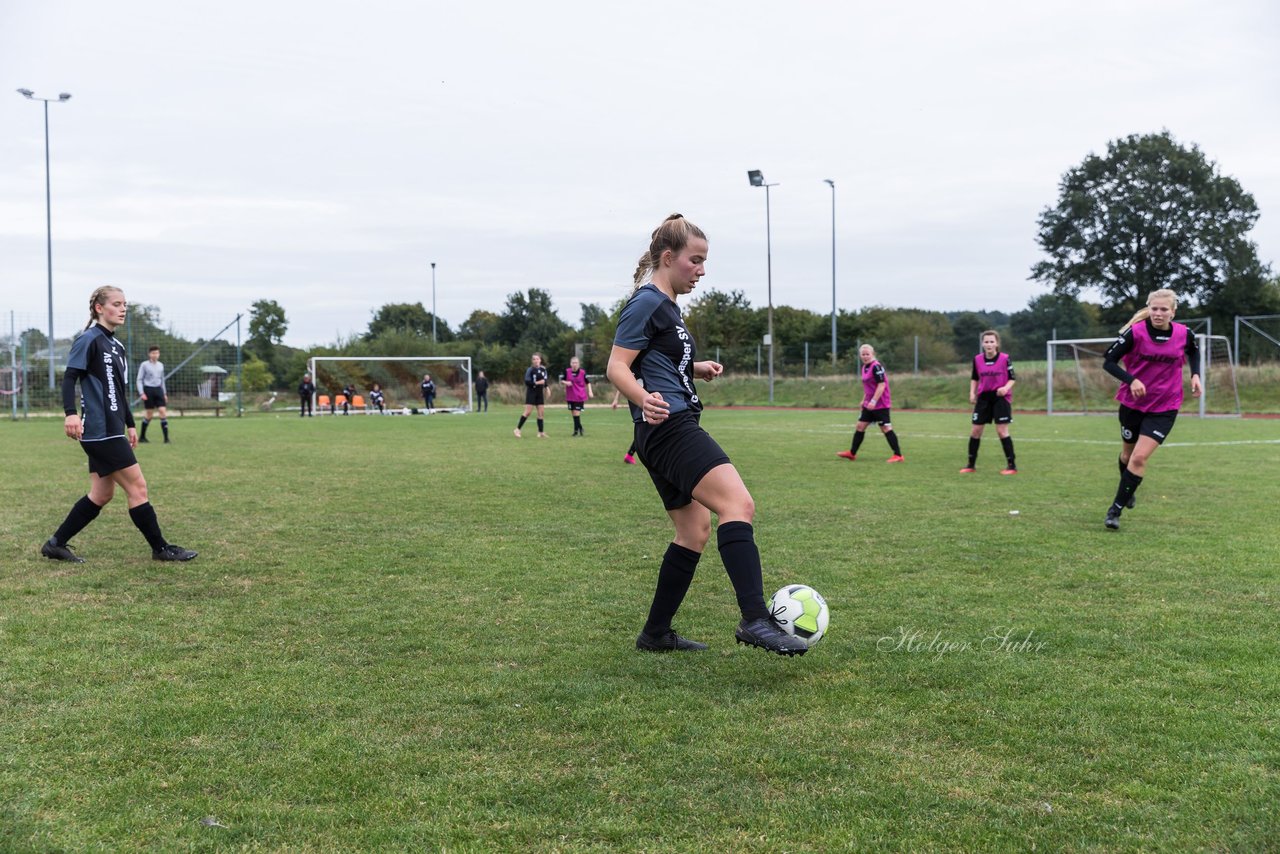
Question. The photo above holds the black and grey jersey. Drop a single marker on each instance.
(651, 323)
(98, 361)
(533, 376)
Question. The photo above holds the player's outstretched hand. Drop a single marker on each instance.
(707, 371)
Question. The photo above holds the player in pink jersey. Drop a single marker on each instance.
(1154, 349)
(577, 388)
(876, 403)
(991, 393)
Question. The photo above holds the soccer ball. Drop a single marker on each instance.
(800, 611)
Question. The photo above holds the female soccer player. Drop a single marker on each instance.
(152, 390)
(107, 435)
(876, 402)
(535, 388)
(991, 393)
(577, 389)
(692, 474)
(377, 398)
(1154, 349)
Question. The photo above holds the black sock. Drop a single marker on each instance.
(1006, 442)
(523, 418)
(858, 436)
(674, 577)
(164, 425)
(892, 438)
(631, 452)
(144, 519)
(974, 442)
(1129, 483)
(1123, 464)
(577, 423)
(737, 544)
(143, 434)
(540, 430)
(82, 513)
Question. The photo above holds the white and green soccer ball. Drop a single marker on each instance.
(800, 611)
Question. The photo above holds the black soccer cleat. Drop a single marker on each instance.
(53, 551)
(173, 553)
(765, 633)
(1113, 519)
(668, 641)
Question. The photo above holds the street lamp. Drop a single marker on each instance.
(433, 302)
(756, 177)
(832, 185)
(48, 211)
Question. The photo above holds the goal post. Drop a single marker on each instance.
(399, 378)
(1074, 370)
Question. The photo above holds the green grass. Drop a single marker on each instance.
(416, 633)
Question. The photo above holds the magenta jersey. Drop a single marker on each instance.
(576, 391)
(1159, 366)
(992, 376)
(872, 375)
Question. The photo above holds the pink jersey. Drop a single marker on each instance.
(576, 391)
(1159, 366)
(872, 375)
(994, 375)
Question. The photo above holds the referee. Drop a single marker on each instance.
(106, 433)
(693, 476)
(154, 395)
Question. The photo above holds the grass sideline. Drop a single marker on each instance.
(407, 633)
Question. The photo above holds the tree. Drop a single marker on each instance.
(1050, 315)
(1150, 214)
(530, 321)
(719, 319)
(411, 318)
(481, 327)
(267, 323)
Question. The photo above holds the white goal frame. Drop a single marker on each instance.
(1206, 361)
(463, 361)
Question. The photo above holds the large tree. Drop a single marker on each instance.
(1149, 214)
(530, 321)
(267, 326)
(407, 318)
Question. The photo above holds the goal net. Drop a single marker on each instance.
(1077, 384)
(398, 377)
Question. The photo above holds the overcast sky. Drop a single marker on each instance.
(323, 154)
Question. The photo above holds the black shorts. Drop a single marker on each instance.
(576, 405)
(992, 407)
(875, 416)
(155, 397)
(109, 455)
(1135, 423)
(534, 396)
(678, 453)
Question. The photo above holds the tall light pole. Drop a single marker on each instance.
(48, 210)
(832, 185)
(433, 302)
(756, 177)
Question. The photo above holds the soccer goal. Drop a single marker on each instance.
(1077, 384)
(400, 379)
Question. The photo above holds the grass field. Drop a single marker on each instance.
(416, 633)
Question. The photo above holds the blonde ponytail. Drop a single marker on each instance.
(99, 297)
(674, 234)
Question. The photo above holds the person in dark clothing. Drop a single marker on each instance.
(106, 432)
(306, 393)
(482, 392)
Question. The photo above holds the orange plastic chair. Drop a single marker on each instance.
(322, 402)
(339, 400)
(357, 402)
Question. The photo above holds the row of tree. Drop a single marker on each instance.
(1148, 214)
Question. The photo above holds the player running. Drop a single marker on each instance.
(991, 393)
(154, 394)
(577, 390)
(876, 402)
(692, 474)
(106, 433)
(1154, 349)
(535, 391)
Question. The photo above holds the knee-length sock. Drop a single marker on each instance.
(674, 577)
(892, 438)
(1129, 483)
(858, 436)
(144, 519)
(82, 513)
(1006, 442)
(523, 418)
(737, 545)
(974, 442)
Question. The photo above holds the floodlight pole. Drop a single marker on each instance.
(756, 177)
(433, 302)
(832, 185)
(48, 210)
